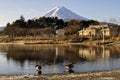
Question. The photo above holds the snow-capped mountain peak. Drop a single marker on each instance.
(63, 13)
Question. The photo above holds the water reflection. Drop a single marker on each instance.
(94, 53)
(38, 73)
(57, 55)
(47, 55)
(91, 54)
(70, 71)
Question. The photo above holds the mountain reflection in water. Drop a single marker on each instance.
(58, 55)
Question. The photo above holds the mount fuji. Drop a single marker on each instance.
(64, 13)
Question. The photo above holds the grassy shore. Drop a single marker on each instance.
(54, 40)
(104, 75)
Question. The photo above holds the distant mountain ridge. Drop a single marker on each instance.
(64, 13)
(2, 28)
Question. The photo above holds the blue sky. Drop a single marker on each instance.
(101, 10)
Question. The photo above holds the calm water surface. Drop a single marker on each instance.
(21, 58)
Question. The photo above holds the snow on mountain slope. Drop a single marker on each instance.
(63, 13)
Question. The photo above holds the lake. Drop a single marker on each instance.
(22, 58)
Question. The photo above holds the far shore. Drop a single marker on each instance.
(101, 75)
(58, 40)
(88, 43)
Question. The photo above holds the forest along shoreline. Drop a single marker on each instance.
(101, 75)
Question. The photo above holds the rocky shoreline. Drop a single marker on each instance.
(102, 75)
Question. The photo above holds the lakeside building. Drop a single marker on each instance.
(95, 30)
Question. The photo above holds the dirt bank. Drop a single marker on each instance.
(104, 75)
